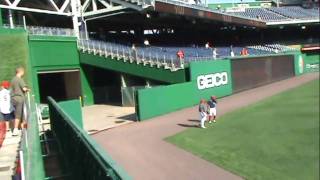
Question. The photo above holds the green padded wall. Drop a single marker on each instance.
(311, 62)
(73, 109)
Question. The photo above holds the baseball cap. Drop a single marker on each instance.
(5, 84)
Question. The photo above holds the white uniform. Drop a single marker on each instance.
(5, 102)
(213, 112)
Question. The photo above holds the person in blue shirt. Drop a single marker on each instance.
(212, 103)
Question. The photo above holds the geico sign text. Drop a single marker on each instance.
(212, 80)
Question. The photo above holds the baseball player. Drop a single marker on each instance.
(213, 109)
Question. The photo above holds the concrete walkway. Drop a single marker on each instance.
(141, 150)
(102, 117)
(9, 147)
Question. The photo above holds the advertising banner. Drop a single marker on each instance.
(208, 78)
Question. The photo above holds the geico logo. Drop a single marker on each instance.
(212, 80)
(312, 66)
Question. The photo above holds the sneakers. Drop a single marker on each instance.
(214, 121)
(210, 122)
(8, 134)
(203, 127)
(15, 132)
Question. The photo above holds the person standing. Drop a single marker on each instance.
(134, 51)
(18, 90)
(180, 56)
(214, 53)
(231, 51)
(6, 109)
(203, 109)
(213, 109)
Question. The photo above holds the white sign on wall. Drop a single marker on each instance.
(212, 80)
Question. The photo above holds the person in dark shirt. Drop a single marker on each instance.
(18, 90)
(213, 109)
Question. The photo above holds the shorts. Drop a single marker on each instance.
(7, 117)
(18, 103)
(213, 112)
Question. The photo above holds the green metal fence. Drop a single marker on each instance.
(32, 166)
(84, 157)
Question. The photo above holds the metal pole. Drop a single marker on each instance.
(23, 177)
(86, 29)
(24, 22)
(11, 19)
(75, 15)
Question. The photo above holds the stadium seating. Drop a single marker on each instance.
(261, 13)
(296, 12)
(166, 56)
(285, 13)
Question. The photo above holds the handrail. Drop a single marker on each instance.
(116, 51)
(99, 164)
(30, 151)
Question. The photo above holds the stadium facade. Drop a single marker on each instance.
(81, 53)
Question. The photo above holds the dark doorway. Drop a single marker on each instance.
(60, 85)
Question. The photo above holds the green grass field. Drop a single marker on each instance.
(13, 52)
(275, 139)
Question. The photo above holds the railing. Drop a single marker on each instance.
(86, 159)
(30, 154)
(125, 53)
(157, 57)
(46, 31)
(53, 31)
(273, 48)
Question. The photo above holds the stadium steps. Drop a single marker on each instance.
(8, 157)
(145, 69)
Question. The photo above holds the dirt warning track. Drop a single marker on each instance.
(141, 150)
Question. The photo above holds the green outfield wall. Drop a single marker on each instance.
(220, 78)
(311, 62)
(306, 62)
(208, 78)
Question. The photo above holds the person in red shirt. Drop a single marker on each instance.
(244, 52)
(180, 55)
